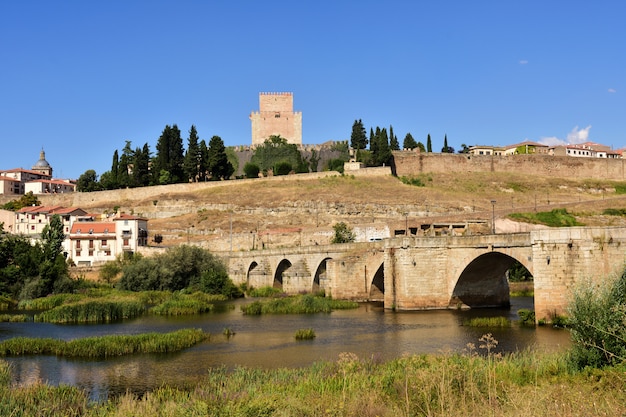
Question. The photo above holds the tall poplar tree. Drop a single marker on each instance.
(115, 168)
(192, 156)
(429, 144)
(394, 145)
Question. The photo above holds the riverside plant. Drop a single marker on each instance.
(498, 321)
(300, 304)
(93, 311)
(104, 346)
(305, 334)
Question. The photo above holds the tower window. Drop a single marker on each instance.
(277, 115)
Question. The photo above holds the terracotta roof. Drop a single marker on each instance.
(5, 178)
(93, 228)
(30, 171)
(59, 182)
(39, 209)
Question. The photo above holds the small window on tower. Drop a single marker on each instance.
(277, 115)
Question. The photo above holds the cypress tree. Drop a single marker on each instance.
(429, 144)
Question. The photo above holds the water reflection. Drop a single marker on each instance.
(267, 342)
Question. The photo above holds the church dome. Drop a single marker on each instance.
(42, 163)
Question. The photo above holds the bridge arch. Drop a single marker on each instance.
(483, 282)
(377, 287)
(320, 277)
(281, 269)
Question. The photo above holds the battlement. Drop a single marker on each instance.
(276, 94)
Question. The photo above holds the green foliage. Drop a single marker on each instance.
(343, 233)
(301, 304)
(184, 304)
(620, 188)
(218, 165)
(282, 168)
(415, 181)
(93, 311)
(526, 317)
(488, 322)
(597, 316)
(554, 218)
(176, 269)
(409, 142)
(110, 271)
(265, 292)
(518, 272)
(614, 212)
(305, 334)
(276, 149)
(27, 200)
(335, 164)
(104, 346)
(88, 182)
(358, 137)
(251, 170)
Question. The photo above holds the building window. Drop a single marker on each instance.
(90, 244)
(78, 244)
(90, 252)
(77, 252)
(104, 242)
(32, 227)
(126, 242)
(107, 253)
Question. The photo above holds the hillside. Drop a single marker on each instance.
(199, 213)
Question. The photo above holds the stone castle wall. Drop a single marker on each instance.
(407, 163)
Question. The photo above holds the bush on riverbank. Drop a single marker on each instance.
(300, 304)
(104, 346)
(597, 318)
(179, 268)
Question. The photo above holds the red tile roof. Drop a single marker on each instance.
(93, 228)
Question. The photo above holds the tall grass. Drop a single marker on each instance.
(185, 304)
(488, 322)
(479, 382)
(104, 346)
(93, 311)
(265, 292)
(300, 304)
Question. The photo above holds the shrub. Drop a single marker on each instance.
(251, 170)
(597, 317)
(488, 322)
(527, 317)
(305, 334)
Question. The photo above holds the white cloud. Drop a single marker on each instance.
(523, 62)
(578, 135)
(574, 137)
(612, 90)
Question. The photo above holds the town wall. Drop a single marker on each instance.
(407, 163)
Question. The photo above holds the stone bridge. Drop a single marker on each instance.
(413, 273)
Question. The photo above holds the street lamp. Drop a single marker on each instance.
(493, 216)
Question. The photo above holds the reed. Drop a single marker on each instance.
(265, 292)
(305, 334)
(488, 322)
(15, 318)
(300, 304)
(49, 302)
(104, 346)
(7, 303)
(93, 311)
(522, 384)
(182, 306)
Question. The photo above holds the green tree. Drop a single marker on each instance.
(343, 233)
(88, 182)
(125, 166)
(409, 142)
(394, 145)
(381, 153)
(421, 147)
(115, 171)
(192, 156)
(464, 148)
(251, 170)
(358, 138)
(276, 149)
(141, 167)
(26, 200)
(169, 156)
(202, 164)
(446, 148)
(429, 144)
(217, 161)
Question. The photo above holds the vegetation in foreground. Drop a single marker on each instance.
(470, 384)
(300, 304)
(104, 346)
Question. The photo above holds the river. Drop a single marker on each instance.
(267, 342)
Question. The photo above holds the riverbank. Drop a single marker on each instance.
(476, 383)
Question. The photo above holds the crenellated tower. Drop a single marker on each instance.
(276, 117)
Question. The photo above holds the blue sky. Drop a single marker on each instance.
(79, 78)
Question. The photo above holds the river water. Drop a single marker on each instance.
(267, 342)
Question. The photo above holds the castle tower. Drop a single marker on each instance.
(42, 166)
(276, 117)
